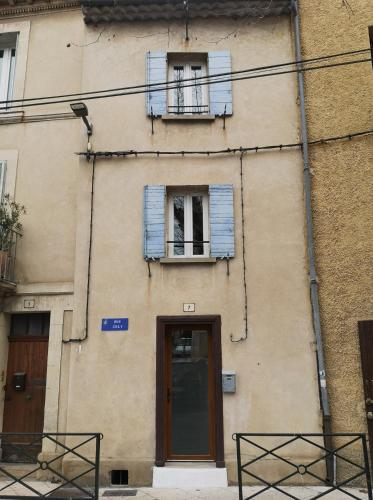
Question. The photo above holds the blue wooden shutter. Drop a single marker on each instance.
(156, 72)
(220, 93)
(154, 221)
(221, 220)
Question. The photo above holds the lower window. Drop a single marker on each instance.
(188, 224)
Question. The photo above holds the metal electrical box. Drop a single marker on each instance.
(229, 381)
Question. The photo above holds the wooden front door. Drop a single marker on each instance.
(25, 385)
(366, 351)
(189, 399)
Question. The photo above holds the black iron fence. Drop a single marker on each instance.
(45, 472)
(258, 453)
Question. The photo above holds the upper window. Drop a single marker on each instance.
(7, 65)
(188, 95)
(190, 99)
(188, 224)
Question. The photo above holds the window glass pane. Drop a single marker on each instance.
(197, 90)
(34, 325)
(11, 74)
(179, 226)
(46, 322)
(190, 392)
(19, 325)
(178, 104)
(197, 204)
(1, 68)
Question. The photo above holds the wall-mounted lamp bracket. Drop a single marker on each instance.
(81, 111)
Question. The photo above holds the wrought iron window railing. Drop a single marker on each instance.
(257, 452)
(50, 476)
(189, 110)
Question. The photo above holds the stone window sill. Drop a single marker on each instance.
(10, 116)
(188, 260)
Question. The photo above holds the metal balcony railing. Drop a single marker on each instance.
(196, 109)
(8, 247)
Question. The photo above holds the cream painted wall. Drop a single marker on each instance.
(112, 375)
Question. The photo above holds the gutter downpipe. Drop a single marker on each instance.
(324, 400)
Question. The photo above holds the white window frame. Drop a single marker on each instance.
(188, 223)
(7, 73)
(3, 165)
(188, 91)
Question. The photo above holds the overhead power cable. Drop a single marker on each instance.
(168, 82)
(210, 80)
(132, 152)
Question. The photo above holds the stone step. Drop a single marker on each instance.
(197, 475)
(18, 470)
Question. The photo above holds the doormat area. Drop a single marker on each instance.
(119, 493)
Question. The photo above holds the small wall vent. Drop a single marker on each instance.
(119, 477)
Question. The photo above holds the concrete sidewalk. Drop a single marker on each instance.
(230, 493)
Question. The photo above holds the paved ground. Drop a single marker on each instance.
(231, 493)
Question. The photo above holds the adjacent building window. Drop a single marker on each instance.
(7, 65)
(2, 178)
(188, 224)
(192, 98)
(192, 221)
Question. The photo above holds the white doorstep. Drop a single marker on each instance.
(189, 476)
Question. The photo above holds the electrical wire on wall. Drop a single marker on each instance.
(244, 337)
(228, 151)
(242, 151)
(232, 76)
(86, 328)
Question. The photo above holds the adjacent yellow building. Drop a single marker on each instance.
(339, 102)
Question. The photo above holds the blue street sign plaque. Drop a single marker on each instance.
(114, 324)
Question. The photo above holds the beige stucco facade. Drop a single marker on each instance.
(107, 383)
(339, 102)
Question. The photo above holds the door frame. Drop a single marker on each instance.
(214, 322)
(366, 328)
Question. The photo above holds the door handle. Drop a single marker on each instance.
(370, 415)
(168, 394)
(28, 396)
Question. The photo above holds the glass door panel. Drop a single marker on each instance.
(189, 398)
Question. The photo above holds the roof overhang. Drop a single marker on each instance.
(96, 11)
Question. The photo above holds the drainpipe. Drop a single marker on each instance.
(324, 400)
